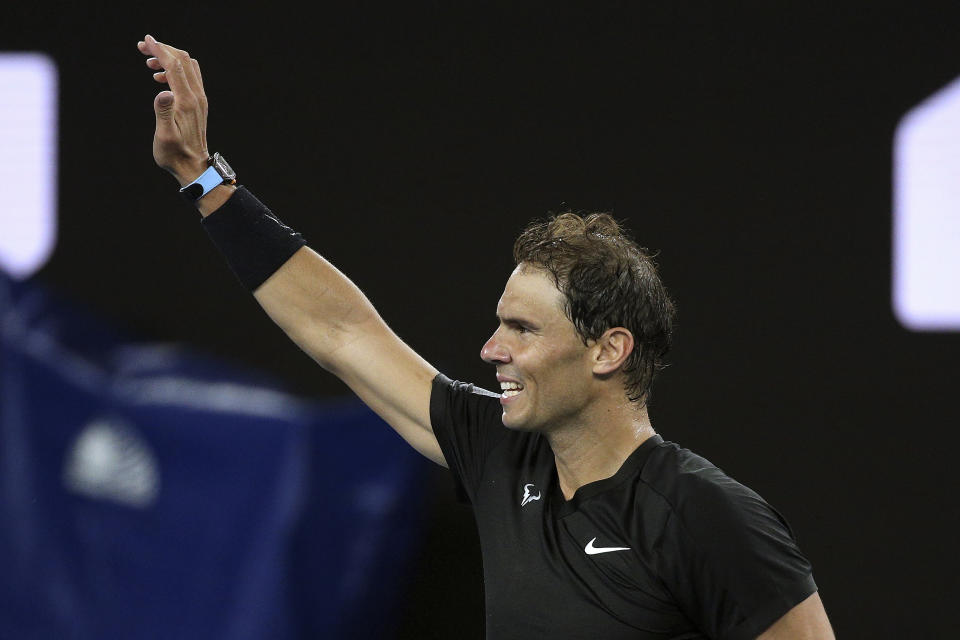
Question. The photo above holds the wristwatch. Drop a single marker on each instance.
(219, 172)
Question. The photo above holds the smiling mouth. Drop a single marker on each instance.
(510, 389)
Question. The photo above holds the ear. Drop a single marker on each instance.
(611, 350)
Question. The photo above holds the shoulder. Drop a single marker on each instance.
(684, 479)
(466, 421)
(707, 507)
(729, 558)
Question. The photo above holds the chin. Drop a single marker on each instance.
(517, 423)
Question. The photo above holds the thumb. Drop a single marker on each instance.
(163, 105)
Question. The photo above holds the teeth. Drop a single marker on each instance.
(510, 389)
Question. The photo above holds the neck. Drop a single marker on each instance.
(598, 445)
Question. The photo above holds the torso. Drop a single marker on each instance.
(553, 560)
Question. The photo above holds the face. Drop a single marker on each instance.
(543, 367)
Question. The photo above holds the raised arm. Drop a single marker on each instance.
(316, 305)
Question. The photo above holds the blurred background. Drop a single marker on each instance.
(750, 146)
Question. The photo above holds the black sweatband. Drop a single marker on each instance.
(252, 239)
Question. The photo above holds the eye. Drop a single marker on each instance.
(516, 326)
(520, 328)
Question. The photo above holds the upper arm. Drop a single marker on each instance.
(334, 323)
(393, 380)
(806, 621)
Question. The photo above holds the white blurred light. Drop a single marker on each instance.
(926, 226)
(28, 161)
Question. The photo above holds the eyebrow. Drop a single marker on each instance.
(515, 320)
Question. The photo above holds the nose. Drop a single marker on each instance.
(493, 351)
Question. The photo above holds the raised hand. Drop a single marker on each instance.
(180, 139)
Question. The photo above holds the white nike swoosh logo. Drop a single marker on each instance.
(592, 550)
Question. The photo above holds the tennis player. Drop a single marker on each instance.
(591, 524)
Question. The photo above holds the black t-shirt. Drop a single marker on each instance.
(668, 547)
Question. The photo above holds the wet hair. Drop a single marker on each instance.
(607, 281)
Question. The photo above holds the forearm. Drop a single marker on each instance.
(317, 306)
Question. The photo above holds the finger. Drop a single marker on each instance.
(201, 94)
(190, 68)
(202, 99)
(196, 71)
(154, 64)
(161, 77)
(174, 67)
(146, 45)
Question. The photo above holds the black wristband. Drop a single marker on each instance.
(252, 239)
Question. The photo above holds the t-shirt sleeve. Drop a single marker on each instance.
(732, 561)
(467, 423)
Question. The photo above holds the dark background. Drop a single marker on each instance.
(749, 145)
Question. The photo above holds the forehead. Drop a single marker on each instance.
(530, 290)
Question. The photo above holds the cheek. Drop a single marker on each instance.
(561, 372)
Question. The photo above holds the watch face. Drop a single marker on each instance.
(224, 169)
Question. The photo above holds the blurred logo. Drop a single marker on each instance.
(110, 461)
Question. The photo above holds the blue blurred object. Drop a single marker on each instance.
(147, 492)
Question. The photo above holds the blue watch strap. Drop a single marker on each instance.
(203, 185)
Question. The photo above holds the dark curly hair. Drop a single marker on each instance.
(607, 281)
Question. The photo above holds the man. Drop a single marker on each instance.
(591, 526)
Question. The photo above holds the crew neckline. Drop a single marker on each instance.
(632, 464)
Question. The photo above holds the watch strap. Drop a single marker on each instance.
(204, 184)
